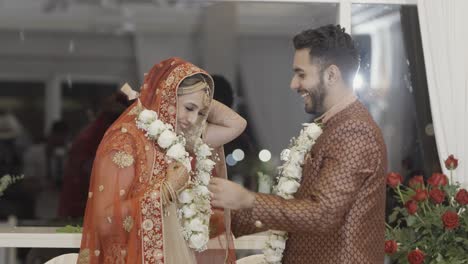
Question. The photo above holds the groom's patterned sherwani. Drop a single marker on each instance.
(337, 215)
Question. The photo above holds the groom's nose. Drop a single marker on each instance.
(294, 85)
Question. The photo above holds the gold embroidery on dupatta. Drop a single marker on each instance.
(136, 110)
(152, 228)
(123, 159)
(128, 223)
(117, 254)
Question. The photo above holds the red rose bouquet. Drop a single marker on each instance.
(431, 225)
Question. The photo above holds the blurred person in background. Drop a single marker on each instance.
(78, 167)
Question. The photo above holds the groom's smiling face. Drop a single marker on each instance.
(308, 82)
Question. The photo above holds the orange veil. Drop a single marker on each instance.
(125, 219)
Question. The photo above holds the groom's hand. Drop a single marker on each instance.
(230, 195)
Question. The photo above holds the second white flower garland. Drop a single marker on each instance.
(290, 175)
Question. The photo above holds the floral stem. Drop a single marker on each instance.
(427, 205)
(399, 193)
(388, 226)
(451, 176)
(420, 218)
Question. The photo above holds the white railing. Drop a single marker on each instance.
(47, 237)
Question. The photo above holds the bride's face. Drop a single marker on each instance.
(190, 108)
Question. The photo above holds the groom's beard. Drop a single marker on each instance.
(315, 100)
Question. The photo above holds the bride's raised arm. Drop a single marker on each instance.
(224, 125)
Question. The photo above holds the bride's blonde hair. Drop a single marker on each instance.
(196, 83)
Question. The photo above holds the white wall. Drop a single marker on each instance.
(45, 54)
(152, 48)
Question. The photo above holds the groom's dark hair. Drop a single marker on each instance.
(331, 45)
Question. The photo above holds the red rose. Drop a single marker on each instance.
(437, 196)
(462, 197)
(394, 179)
(416, 182)
(411, 207)
(421, 195)
(438, 179)
(451, 163)
(416, 257)
(450, 220)
(391, 247)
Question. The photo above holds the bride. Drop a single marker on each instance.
(147, 201)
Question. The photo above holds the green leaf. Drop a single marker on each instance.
(70, 229)
(411, 220)
(393, 217)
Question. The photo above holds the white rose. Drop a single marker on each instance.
(292, 171)
(207, 208)
(202, 190)
(206, 164)
(196, 225)
(205, 229)
(198, 241)
(313, 130)
(278, 244)
(284, 156)
(186, 196)
(272, 256)
(204, 205)
(155, 128)
(147, 116)
(309, 145)
(187, 164)
(296, 158)
(204, 151)
(177, 152)
(288, 186)
(302, 143)
(204, 178)
(189, 210)
(170, 127)
(166, 139)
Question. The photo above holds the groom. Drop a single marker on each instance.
(337, 214)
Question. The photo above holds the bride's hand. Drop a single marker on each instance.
(224, 125)
(177, 176)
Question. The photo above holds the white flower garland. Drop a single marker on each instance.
(194, 211)
(289, 178)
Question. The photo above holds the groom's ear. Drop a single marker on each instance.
(332, 75)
